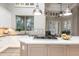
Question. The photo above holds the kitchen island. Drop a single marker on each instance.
(49, 47)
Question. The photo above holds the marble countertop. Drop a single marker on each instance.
(30, 40)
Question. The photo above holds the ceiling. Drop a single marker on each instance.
(56, 6)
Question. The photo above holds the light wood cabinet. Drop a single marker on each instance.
(23, 49)
(73, 50)
(56, 50)
(48, 50)
(37, 50)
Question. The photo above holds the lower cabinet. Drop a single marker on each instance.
(23, 49)
(73, 50)
(48, 50)
(37, 50)
(56, 50)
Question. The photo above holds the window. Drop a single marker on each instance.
(29, 23)
(67, 25)
(57, 25)
(20, 23)
(53, 26)
(24, 23)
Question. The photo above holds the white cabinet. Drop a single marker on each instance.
(9, 41)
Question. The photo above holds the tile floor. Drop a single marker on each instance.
(11, 52)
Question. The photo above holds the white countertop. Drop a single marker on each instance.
(73, 40)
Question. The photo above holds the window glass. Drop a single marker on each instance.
(24, 23)
(29, 23)
(19, 23)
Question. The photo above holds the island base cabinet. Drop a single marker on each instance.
(48, 50)
(23, 49)
(73, 50)
(56, 50)
(37, 50)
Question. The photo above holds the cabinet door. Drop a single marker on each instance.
(74, 50)
(56, 50)
(37, 50)
(23, 49)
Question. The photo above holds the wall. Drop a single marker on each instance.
(39, 21)
(8, 14)
(75, 21)
(5, 16)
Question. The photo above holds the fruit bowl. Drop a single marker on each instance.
(65, 36)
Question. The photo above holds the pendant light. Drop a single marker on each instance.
(37, 11)
(67, 11)
(61, 12)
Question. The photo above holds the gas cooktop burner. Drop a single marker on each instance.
(45, 37)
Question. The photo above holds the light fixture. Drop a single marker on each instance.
(37, 11)
(61, 11)
(67, 11)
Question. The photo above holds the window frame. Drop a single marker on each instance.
(25, 22)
